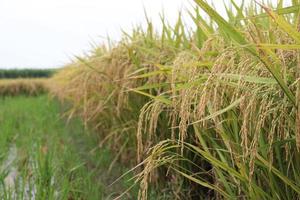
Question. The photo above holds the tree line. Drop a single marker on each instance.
(26, 73)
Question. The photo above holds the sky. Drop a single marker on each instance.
(49, 33)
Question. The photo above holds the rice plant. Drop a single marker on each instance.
(209, 113)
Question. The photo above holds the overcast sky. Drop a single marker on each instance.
(48, 33)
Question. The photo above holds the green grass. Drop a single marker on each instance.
(50, 159)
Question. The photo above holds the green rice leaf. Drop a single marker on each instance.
(279, 174)
(278, 46)
(250, 79)
(203, 183)
(149, 74)
(219, 112)
(158, 98)
(151, 86)
(280, 11)
(283, 24)
(238, 37)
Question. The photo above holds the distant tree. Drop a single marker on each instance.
(26, 73)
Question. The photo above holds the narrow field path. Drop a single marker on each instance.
(43, 157)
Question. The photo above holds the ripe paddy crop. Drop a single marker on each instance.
(31, 87)
(208, 113)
